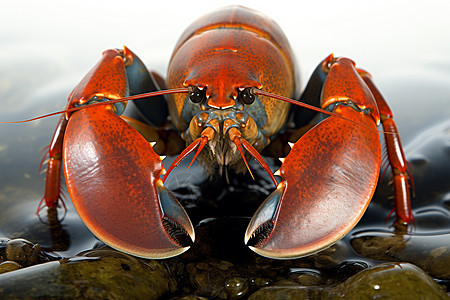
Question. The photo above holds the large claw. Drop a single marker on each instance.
(328, 177)
(113, 174)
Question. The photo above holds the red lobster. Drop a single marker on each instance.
(230, 83)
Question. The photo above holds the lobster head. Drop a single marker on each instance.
(218, 63)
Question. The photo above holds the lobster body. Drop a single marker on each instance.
(227, 77)
(221, 53)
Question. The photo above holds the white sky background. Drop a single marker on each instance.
(374, 32)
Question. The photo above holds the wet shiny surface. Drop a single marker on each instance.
(412, 72)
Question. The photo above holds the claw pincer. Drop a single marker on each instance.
(328, 177)
(113, 174)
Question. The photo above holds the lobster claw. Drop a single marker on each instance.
(113, 174)
(328, 177)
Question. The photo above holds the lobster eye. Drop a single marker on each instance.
(246, 96)
(197, 95)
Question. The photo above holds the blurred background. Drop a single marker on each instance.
(48, 46)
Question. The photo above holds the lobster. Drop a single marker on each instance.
(232, 88)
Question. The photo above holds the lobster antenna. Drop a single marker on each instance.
(129, 98)
(256, 91)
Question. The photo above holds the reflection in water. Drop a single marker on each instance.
(59, 236)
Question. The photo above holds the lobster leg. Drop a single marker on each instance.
(52, 194)
(113, 174)
(397, 160)
(328, 177)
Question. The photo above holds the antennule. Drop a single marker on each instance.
(129, 98)
(256, 91)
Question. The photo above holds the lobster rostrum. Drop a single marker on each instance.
(230, 82)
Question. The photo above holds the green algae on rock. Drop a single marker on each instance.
(385, 281)
(431, 253)
(97, 274)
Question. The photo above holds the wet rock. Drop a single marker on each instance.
(220, 265)
(207, 279)
(307, 278)
(23, 252)
(219, 279)
(349, 268)
(189, 297)
(289, 293)
(8, 266)
(390, 281)
(235, 287)
(328, 257)
(259, 282)
(3, 242)
(431, 253)
(386, 281)
(96, 274)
